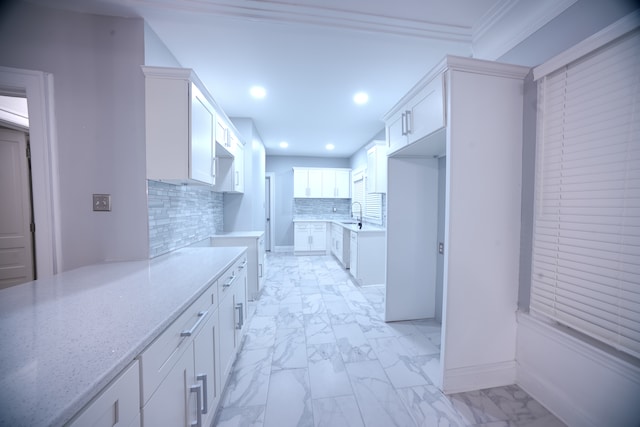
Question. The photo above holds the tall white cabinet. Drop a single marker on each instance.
(471, 112)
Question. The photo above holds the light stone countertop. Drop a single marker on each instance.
(65, 338)
(366, 227)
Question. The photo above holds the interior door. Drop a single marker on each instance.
(16, 241)
(267, 213)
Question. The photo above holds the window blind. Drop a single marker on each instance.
(586, 241)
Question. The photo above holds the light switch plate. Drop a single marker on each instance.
(102, 202)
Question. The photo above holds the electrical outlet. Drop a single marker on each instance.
(102, 202)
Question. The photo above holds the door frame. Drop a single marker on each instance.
(272, 210)
(37, 86)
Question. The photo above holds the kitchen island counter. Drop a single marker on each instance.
(66, 337)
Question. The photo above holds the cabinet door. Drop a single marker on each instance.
(207, 371)
(238, 165)
(118, 404)
(318, 241)
(427, 110)
(261, 263)
(174, 402)
(240, 304)
(315, 183)
(328, 183)
(300, 183)
(396, 133)
(343, 184)
(301, 236)
(226, 313)
(221, 136)
(201, 151)
(353, 255)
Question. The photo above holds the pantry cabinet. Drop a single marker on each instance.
(330, 183)
(310, 237)
(458, 187)
(180, 122)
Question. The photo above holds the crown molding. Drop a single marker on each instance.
(272, 11)
(511, 22)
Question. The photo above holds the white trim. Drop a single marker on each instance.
(507, 26)
(588, 45)
(38, 87)
(565, 395)
(283, 249)
(479, 377)
(272, 209)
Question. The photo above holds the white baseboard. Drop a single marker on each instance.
(283, 249)
(479, 377)
(579, 383)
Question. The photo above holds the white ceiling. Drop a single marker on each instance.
(312, 56)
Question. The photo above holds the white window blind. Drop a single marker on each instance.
(586, 242)
(358, 192)
(373, 210)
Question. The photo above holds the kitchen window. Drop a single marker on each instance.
(586, 240)
(371, 202)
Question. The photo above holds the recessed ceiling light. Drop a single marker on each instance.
(258, 92)
(360, 98)
(329, 146)
(284, 144)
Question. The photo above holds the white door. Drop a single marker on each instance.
(16, 241)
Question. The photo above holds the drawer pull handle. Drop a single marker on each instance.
(190, 332)
(198, 391)
(230, 281)
(203, 378)
(243, 265)
(240, 307)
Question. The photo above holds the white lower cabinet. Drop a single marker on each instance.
(367, 257)
(310, 237)
(116, 405)
(184, 370)
(340, 244)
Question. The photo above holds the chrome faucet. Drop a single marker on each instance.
(360, 216)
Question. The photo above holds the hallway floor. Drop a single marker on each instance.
(318, 353)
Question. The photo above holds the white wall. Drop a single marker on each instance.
(99, 109)
(245, 212)
(156, 52)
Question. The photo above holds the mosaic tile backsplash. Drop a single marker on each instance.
(321, 208)
(180, 215)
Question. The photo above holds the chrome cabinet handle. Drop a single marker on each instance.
(198, 391)
(260, 268)
(239, 307)
(203, 378)
(403, 123)
(190, 332)
(243, 265)
(409, 118)
(230, 281)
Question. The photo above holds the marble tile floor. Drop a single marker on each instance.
(318, 353)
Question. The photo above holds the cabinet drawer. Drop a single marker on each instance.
(230, 277)
(157, 360)
(118, 404)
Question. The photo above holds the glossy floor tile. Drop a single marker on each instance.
(317, 352)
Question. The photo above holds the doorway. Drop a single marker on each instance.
(17, 261)
(269, 211)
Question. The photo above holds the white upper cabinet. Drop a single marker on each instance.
(180, 125)
(417, 115)
(329, 183)
(377, 169)
(230, 165)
